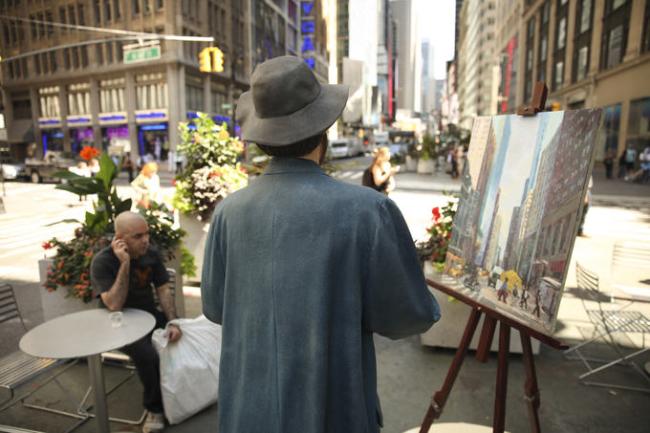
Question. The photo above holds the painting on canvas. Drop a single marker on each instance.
(521, 201)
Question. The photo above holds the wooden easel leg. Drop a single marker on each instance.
(485, 342)
(531, 391)
(499, 420)
(440, 397)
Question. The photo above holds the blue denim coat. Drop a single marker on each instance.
(301, 270)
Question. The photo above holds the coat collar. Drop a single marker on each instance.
(292, 165)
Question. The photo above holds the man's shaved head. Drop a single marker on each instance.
(127, 221)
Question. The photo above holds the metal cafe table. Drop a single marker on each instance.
(88, 334)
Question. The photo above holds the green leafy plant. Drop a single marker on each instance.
(71, 263)
(435, 247)
(188, 266)
(108, 204)
(211, 171)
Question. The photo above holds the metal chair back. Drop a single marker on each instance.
(9, 306)
(630, 263)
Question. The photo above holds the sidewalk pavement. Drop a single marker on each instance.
(409, 373)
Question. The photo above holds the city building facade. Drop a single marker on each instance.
(591, 53)
(477, 60)
(409, 57)
(121, 94)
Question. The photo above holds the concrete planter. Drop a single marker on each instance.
(411, 163)
(197, 233)
(57, 303)
(449, 330)
(425, 166)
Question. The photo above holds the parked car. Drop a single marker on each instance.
(12, 169)
(345, 147)
(53, 161)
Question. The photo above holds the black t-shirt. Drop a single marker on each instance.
(145, 274)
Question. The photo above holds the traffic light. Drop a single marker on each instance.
(217, 59)
(205, 65)
(211, 60)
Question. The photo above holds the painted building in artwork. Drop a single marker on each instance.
(566, 189)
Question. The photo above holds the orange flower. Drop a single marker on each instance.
(88, 153)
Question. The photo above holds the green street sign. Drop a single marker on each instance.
(135, 55)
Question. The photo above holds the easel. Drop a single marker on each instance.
(531, 390)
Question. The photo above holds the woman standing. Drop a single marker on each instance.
(382, 171)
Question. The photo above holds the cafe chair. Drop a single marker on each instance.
(608, 320)
(18, 368)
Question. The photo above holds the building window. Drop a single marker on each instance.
(111, 95)
(99, 54)
(37, 64)
(84, 56)
(638, 129)
(21, 106)
(66, 58)
(584, 16)
(81, 13)
(53, 64)
(146, 6)
(582, 63)
(160, 4)
(109, 52)
(194, 98)
(135, 6)
(97, 12)
(646, 29)
(582, 40)
(558, 75)
(151, 91)
(32, 27)
(107, 10)
(72, 15)
(62, 19)
(561, 33)
(79, 98)
(49, 101)
(116, 9)
(615, 29)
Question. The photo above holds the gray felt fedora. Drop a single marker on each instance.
(287, 104)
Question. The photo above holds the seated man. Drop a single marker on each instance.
(123, 274)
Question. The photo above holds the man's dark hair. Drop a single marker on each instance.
(297, 149)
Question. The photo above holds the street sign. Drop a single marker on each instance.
(141, 54)
(226, 106)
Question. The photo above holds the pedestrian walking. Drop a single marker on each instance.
(610, 155)
(644, 158)
(127, 165)
(301, 270)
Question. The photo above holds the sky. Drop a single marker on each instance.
(437, 19)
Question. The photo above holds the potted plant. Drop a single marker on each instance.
(211, 173)
(425, 164)
(66, 275)
(412, 157)
(434, 248)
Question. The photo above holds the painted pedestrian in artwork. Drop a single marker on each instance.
(522, 193)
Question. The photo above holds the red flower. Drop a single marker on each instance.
(47, 245)
(436, 213)
(173, 182)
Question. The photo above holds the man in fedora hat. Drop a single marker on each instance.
(301, 270)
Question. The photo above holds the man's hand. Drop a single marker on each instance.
(174, 333)
(120, 249)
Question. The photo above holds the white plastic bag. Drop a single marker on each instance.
(189, 368)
